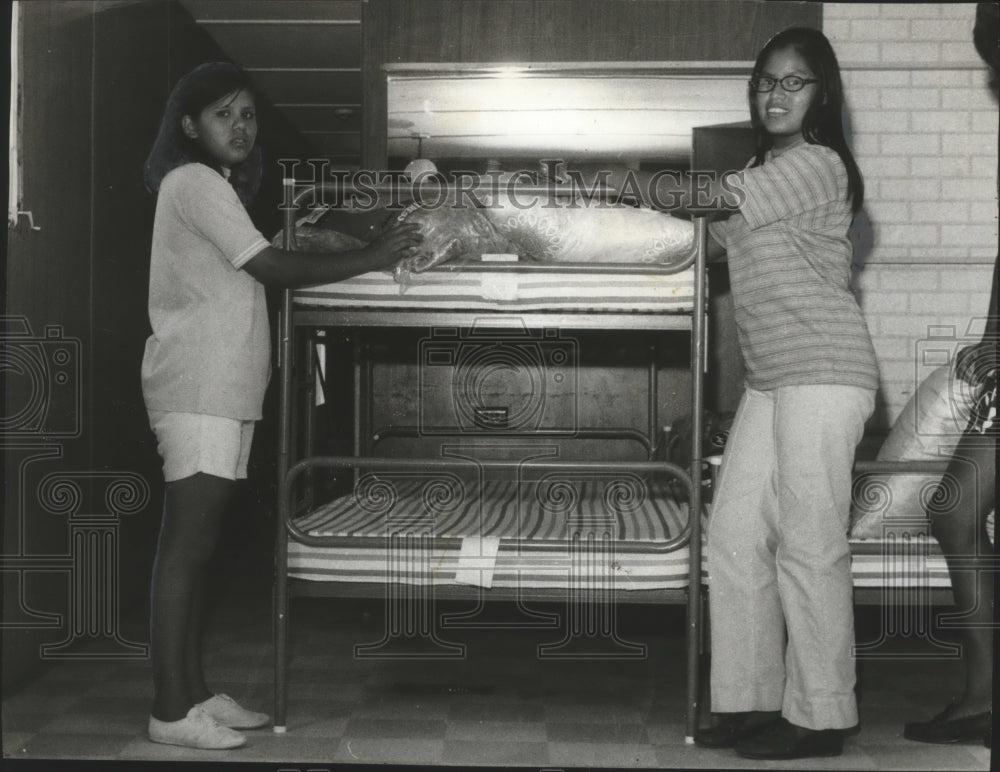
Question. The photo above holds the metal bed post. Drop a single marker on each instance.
(304, 442)
(698, 359)
(284, 362)
(360, 382)
(653, 406)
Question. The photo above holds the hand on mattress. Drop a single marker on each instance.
(393, 244)
(322, 256)
(449, 232)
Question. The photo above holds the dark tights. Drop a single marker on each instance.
(958, 522)
(193, 512)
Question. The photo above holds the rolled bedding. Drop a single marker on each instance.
(592, 232)
(568, 232)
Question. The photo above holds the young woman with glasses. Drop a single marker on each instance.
(780, 602)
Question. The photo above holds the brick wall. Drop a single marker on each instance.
(923, 126)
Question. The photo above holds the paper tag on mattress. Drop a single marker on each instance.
(498, 257)
(477, 560)
(498, 287)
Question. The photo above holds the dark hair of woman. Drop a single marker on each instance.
(203, 86)
(823, 121)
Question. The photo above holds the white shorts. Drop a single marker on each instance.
(190, 443)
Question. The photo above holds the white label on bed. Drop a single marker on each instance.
(498, 287)
(476, 560)
(498, 257)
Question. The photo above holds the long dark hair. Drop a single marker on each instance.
(204, 85)
(823, 121)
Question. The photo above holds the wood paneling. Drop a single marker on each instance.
(130, 87)
(56, 129)
(559, 30)
(305, 45)
(601, 383)
(47, 282)
(244, 10)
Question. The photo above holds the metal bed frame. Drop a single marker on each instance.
(293, 321)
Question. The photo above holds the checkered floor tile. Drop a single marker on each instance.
(499, 704)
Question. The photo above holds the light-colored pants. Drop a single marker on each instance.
(778, 556)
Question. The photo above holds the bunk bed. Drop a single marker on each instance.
(470, 525)
(470, 522)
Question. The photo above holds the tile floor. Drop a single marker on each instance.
(499, 705)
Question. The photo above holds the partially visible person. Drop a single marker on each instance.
(959, 522)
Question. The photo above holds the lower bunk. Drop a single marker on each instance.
(589, 536)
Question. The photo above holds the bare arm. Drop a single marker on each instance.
(283, 268)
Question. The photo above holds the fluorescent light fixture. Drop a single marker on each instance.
(560, 110)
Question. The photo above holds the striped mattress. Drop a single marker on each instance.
(511, 291)
(593, 536)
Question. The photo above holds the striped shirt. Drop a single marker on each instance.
(798, 323)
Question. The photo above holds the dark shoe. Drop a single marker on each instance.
(942, 729)
(730, 728)
(783, 740)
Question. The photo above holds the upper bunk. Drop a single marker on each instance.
(552, 255)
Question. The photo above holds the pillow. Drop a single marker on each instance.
(592, 232)
(928, 429)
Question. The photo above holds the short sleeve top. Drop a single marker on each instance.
(210, 348)
(797, 320)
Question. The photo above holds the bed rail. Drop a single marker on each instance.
(288, 510)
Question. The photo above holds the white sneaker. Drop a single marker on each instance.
(196, 730)
(229, 712)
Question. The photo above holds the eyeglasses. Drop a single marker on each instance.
(764, 84)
